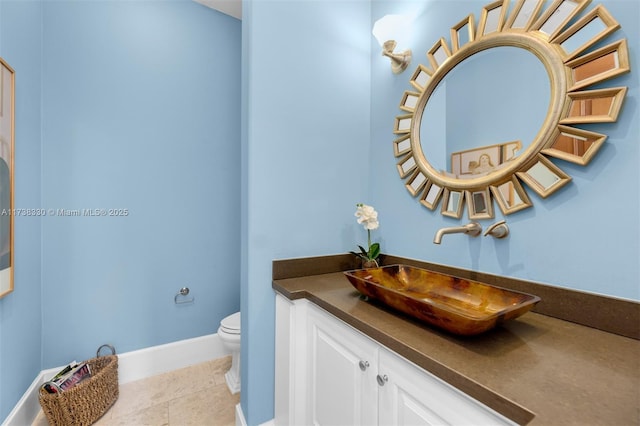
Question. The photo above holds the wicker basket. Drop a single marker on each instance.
(87, 401)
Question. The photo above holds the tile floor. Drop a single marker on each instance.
(196, 395)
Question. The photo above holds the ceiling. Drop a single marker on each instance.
(228, 7)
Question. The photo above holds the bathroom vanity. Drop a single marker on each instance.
(344, 360)
(338, 375)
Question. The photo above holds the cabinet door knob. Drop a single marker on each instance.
(364, 365)
(382, 379)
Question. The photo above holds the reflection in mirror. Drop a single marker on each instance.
(595, 106)
(491, 19)
(431, 196)
(461, 97)
(590, 29)
(599, 65)
(479, 204)
(462, 33)
(575, 145)
(557, 15)
(452, 205)
(438, 53)
(403, 124)
(401, 146)
(573, 43)
(544, 177)
(483, 160)
(421, 77)
(406, 166)
(524, 14)
(409, 101)
(511, 196)
(416, 183)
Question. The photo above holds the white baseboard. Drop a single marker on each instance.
(132, 366)
(241, 421)
(156, 360)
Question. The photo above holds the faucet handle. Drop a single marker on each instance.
(473, 228)
(498, 230)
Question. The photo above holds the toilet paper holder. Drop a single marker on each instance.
(184, 291)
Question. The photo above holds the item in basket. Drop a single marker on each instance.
(64, 371)
(53, 385)
(68, 377)
(82, 372)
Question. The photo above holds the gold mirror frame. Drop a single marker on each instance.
(540, 32)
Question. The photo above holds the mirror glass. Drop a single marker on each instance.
(564, 11)
(572, 144)
(525, 14)
(454, 201)
(600, 65)
(493, 20)
(587, 31)
(595, 106)
(511, 196)
(545, 177)
(575, 145)
(479, 204)
(431, 196)
(463, 35)
(582, 37)
(406, 166)
(416, 183)
(456, 112)
(452, 205)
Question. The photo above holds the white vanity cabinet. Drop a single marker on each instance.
(340, 372)
(409, 395)
(328, 373)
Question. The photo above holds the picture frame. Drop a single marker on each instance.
(468, 164)
(7, 172)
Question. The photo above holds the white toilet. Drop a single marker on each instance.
(229, 333)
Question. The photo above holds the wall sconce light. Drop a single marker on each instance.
(388, 31)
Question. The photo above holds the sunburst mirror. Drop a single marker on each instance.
(561, 58)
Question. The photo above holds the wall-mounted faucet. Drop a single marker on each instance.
(498, 230)
(473, 229)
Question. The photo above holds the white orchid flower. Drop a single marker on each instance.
(367, 216)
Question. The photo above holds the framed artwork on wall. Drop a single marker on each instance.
(7, 208)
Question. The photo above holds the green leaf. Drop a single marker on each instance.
(374, 251)
(360, 255)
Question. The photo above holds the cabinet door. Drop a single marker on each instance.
(408, 395)
(342, 362)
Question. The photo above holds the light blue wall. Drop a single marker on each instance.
(131, 105)
(140, 112)
(306, 87)
(20, 316)
(584, 237)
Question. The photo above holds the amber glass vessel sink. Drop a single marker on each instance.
(460, 306)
